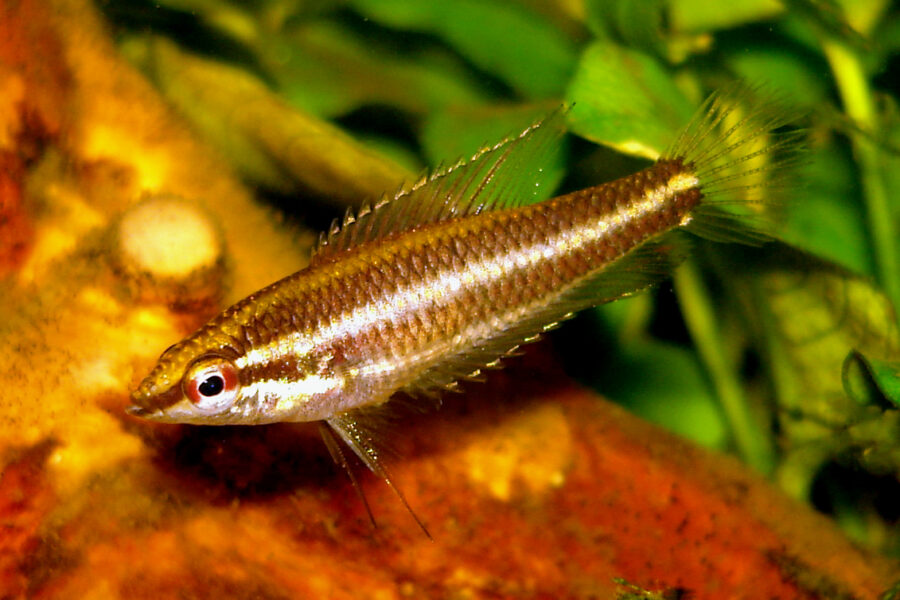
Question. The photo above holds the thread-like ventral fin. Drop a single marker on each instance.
(337, 455)
(353, 429)
(634, 272)
(742, 156)
(497, 177)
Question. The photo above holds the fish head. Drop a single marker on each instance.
(195, 381)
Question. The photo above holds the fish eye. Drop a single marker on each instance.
(211, 384)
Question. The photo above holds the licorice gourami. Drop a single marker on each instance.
(442, 281)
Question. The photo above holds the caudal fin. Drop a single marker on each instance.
(742, 150)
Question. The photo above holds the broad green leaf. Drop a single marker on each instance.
(638, 24)
(702, 15)
(889, 140)
(811, 314)
(821, 19)
(331, 71)
(819, 313)
(627, 100)
(643, 26)
(864, 15)
(504, 39)
(887, 39)
(665, 384)
(401, 14)
(824, 207)
(792, 75)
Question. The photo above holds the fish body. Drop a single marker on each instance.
(443, 281)
(397, 314)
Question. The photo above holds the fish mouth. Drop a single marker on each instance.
(140, 411)
(153, 406)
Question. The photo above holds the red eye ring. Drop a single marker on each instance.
(211, 384)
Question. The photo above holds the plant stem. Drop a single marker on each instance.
(860, 107)
(752, 442)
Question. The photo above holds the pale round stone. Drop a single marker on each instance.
(168, 237)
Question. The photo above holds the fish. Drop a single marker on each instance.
(440, 282)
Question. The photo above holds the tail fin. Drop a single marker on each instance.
(737, 147)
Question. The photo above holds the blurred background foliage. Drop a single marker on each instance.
(785, 355)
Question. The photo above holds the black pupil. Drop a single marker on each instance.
(211, 386)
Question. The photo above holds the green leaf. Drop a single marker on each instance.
(811, 313)
(825, 208)
(794, 76)
(502, 38)
(627, 100)
(870, 380)
(665, 384)
(330, 71)
(637, 24)
(863, 15)
(702, 15)
(889, 140)
(847, 20)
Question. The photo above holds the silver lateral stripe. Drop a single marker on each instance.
(289, 395)
(447, 283)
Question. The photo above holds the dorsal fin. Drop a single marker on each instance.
(496, 177)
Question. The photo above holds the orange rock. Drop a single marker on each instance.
(531, 486)
(260, 512)
(32, 111)
(26, 498)
(15, 226)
